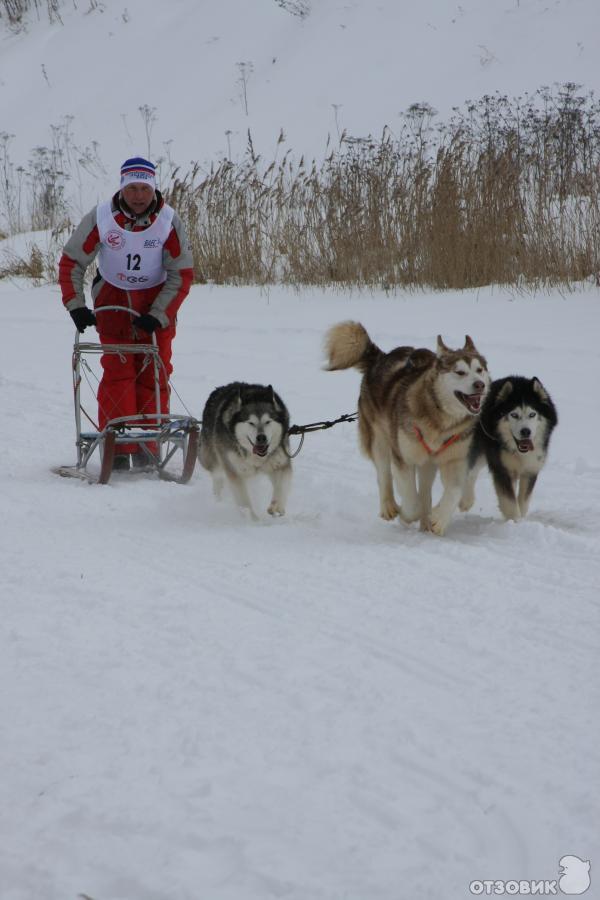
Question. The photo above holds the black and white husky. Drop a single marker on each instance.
(512, 435)
(244, 432)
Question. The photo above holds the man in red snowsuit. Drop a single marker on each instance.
(144, 262)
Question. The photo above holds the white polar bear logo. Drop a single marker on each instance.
(574, 875)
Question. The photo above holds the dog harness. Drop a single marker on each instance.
(451, 440)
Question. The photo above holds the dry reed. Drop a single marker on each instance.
(505, 192)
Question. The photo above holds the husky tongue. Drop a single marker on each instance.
(260, 450)
(471, 401)
(525, 446)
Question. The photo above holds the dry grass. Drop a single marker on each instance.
(35, 263)
(506, 192)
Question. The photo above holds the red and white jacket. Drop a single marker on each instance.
(161, 301)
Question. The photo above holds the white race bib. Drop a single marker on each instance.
(132, 260)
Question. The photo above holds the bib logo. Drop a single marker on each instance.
(574, 875)
(114, 240)
(151, 243)
(132, 279)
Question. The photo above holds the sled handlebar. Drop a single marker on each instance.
(115, 308)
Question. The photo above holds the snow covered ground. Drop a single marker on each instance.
(321, 707)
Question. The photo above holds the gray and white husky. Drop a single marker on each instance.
(244, 432)
(514, 429)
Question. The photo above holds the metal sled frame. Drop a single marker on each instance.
(169, 433)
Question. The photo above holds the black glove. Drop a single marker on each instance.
(82, 316)
(147, 323)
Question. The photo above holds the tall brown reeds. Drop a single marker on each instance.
(504, 192)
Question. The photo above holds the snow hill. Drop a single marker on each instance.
(207, 72)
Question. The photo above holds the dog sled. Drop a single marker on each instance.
(169, 442)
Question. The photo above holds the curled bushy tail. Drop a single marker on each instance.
(347, 345)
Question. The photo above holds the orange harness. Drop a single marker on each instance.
(445, 445)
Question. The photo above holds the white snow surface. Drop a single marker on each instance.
(319, 707)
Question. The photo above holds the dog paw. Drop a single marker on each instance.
(409, 515)
(438, 522)
(510, 511)
(389, 510)
(275, 509)
(466, 503)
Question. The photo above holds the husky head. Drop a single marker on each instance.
(524, 412)
(463, 378)
(259, 421)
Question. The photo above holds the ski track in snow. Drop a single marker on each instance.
(319, 707)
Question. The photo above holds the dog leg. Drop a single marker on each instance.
(453, 478)
(526, 486)
(406, 482)
(218, 483)
(468, 495)
(505, 492)
(281, 479)
(380, 454)
(240, 492)
(427, 475)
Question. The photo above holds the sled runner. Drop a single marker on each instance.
(163, 438)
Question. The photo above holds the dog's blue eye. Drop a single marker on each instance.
(514, 415)
(532, 415)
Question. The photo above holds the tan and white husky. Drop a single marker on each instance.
(417, 410)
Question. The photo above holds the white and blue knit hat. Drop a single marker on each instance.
(138, 170)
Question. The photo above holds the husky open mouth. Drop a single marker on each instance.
(260, 449)
(471, 401)
(525, 445)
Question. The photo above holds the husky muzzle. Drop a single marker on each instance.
(261, 446)
(524, 442)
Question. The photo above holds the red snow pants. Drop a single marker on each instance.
(127, 386)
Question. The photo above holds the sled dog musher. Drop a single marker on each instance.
(144, 263)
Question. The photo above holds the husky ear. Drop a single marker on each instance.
(441, 347)
(539, 389)
(469, 345)
(273, 398)
(237, 401)
(504, 392)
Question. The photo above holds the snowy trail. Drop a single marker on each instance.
(320, 707)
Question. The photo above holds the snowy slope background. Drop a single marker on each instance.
(325, 706)
(353, 66)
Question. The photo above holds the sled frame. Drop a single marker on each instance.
(166, 432)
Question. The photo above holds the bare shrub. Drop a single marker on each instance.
(300, 8)
(15, 11)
